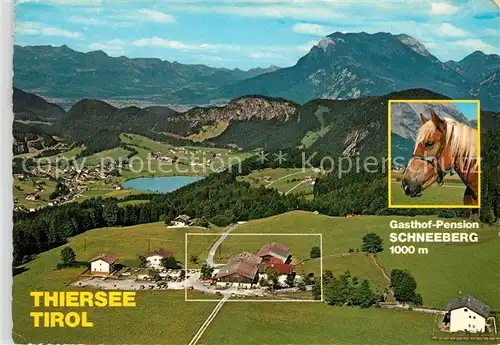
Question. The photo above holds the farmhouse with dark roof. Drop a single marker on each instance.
(466, 313)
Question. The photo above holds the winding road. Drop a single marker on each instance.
(211, 253)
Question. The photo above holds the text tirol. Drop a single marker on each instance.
(62, 300)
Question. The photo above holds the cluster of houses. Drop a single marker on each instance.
(104, 264)
(244, 270)
(161, 157)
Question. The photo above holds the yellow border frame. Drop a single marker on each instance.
(389, 144)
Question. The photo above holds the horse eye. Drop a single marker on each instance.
(429, 144)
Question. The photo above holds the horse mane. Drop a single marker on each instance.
(461, 137)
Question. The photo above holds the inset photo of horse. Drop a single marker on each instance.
(434, 154)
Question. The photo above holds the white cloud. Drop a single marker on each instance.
(447, 29)
(113, 47)
(296, 10)
(288, 53)
(265, 55)
(443, 8)
(474, 44)
(312, 29)
(85, 20)
(63, 2)
(430, 45)
(307, 46)
(34, 28)
(156, 16)
(177, 45)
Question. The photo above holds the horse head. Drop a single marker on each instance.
(431, 158)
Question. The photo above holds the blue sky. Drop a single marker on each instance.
(251, 34)
(468, 109)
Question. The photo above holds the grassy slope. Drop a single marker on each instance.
(358, 264)
(447, 194)
(188, 154)
(440, 275)
(316, 323)
(157, 317)
(257, 178)
(28, 188)
(134, 241)
(209, 131)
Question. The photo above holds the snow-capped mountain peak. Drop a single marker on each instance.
(327, 41)
(414, 44)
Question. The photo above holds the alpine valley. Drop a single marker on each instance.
(333, 101)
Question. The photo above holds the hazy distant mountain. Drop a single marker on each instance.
(340, 66)
(60, 72)
(352, 65)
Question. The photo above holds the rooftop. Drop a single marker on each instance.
(276, 248)
(109, 258)
(470, 302)
(242, 268)
(183, 217)
(245, 257)
(163, 252)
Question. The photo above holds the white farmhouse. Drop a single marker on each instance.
(103, 264)
(181, 221)
(155, 256)
(466, 313)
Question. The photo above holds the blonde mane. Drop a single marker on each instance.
(461, 137)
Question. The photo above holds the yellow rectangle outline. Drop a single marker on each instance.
(389, 154)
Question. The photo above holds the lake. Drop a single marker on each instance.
(160, 184)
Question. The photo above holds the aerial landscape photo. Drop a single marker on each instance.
(256, 172)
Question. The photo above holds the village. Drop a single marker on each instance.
(73, 183)
(79, 177)
(259, 274)
(244, 274)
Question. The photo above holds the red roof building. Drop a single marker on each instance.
(280, 268)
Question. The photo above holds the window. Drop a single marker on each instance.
(465, 309)
(474, 317)
(470, 316)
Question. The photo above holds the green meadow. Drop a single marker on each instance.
(163, 317)
(285, 180)
(441, 274)
(447, 194)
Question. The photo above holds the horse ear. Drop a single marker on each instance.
(438, 122)
(423, 119)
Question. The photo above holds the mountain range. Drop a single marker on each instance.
(338, 127)
(343, 66)
(61, 72)
(340, 66)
